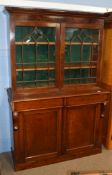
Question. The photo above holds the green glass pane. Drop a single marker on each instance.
(19, 76)
(72, 54)
(81, 76)
(52, 53)
(27, 33)
(29, 75)
(86, 53)
(76, 53)
(66, 73)
(89, 35)
(71, 34)
(18, 54)
(48, 33)
(66, 81)
(77, 81)
(21, 32)
(75, 73)
(40, 56)
(84, 80)
(45, 65)
(94, 33)
(67, 53)
(93, 72)
(81, 35)
(29, 53)
(95, 53)
(42, 53)
(72, 73)
(42, 75)
(85, 72)
(52, 74)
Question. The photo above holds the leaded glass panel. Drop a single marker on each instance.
(81, 54)
(35, 56)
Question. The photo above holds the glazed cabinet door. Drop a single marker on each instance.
(38, 136)
(36, 59)
(82, 129)
(80, 44)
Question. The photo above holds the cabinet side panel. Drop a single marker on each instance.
(107, 58)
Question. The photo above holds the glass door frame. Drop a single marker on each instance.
(13, 54)
(98, 66)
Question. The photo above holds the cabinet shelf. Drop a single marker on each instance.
(52, 68)
(34, 81)
(80, 78)
(53, 43)
(33, 43)
(81, 43)
(34, 68)
(80, 66)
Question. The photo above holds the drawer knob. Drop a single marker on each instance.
(16, 128)
(105, 103)
(102, 115)
(15, 114)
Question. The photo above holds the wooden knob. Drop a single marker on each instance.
(15, 114)
(102, 115)
(105, 103)
(16, 128)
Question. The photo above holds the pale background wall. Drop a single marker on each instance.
(4, 83)
(5, 121)
(98, 3)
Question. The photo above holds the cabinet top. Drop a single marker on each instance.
(16, 10)
(55, 94)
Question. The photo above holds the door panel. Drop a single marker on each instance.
(42, 133)
(81, 127)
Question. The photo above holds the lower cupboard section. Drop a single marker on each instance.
(52, 135)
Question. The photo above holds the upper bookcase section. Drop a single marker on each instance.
(54, 49)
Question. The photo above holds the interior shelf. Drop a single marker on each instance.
(52, 68)
(36, 43)
(81, 43)
(80, 78)
(53, 43)
(34, 68)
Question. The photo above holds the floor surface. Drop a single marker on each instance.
(102, 161)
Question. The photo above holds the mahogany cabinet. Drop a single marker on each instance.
(57, 102)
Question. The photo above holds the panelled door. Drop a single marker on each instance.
(82, 128)
(38, 135)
